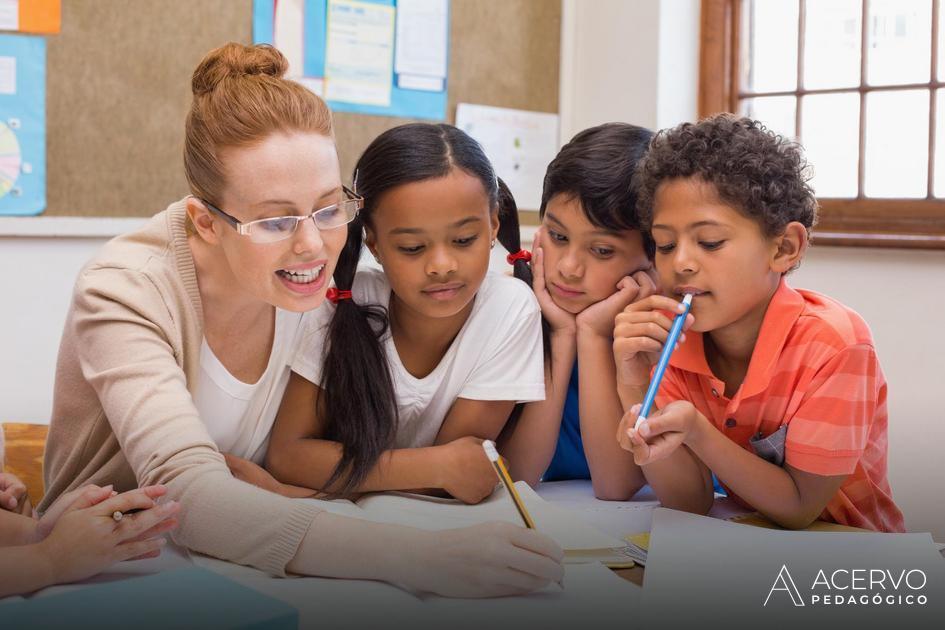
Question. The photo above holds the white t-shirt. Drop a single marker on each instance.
(238, 415)
(497, 354)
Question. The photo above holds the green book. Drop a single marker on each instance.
(180, 599)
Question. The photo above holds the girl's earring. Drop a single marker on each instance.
(492, 245)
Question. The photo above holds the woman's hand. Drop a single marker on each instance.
(247, 471)
(487, 560)
(86, 541)
(13, 495)
(558, 319)
(467, 474)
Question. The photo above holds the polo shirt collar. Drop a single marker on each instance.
(785, 307)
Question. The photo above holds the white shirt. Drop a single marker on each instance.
(497, 354)
(238, 415)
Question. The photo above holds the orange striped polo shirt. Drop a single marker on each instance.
(814, 369)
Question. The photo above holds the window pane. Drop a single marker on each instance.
(830, 131)
(899, 42)
(769, 45)
(941, 41)
(832, 43)
(938, 188)
(776, 112)
(897, 143)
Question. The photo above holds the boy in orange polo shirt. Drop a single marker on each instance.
(777, 391)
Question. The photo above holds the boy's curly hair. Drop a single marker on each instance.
(753, 169)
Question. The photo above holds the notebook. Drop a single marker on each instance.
(180, 599)
(581, 542)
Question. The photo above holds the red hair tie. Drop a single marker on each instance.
(335, 295)
(522, 254)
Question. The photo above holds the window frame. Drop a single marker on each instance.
(861, 221)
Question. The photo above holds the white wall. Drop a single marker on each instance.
(628, 61)
(638, 62)
(39, 260)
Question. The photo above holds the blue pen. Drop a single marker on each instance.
(654, 387)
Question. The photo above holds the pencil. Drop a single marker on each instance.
(503, 473)
(489, 447)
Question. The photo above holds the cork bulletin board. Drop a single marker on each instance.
(118, 89)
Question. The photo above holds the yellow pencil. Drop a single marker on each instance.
(489, 447)
(503, 473)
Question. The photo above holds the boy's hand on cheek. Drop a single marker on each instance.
(598, 319)
(558, 319)
(662, 433)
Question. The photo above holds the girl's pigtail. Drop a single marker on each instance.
(362, 412)
(510, 234)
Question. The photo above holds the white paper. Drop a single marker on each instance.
(9, 15)
(519, 143)
(422, 34)
(432, 513)
(420, 82)
(288, 35)
(359, 52)
(7, 75)
(617, 518)
(314, 84)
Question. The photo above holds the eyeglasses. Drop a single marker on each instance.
(280, 228)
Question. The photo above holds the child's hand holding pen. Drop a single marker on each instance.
(663, 432)
(640, 331)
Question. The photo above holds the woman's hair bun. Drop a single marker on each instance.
(235, 60)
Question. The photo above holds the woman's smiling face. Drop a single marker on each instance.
(285, 174)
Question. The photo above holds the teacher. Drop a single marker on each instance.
(178, 339)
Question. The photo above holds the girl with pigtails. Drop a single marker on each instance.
(396, 385)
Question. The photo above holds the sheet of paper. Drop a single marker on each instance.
(288, 34)
(617, 518)
(564, 526)
(9, 15)
(359, 52)
(422, 35)
(519, 143)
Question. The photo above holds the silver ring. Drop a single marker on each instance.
(117, 515)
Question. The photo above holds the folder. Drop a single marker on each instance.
(182, 599)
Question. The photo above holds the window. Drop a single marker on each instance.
(861, 83)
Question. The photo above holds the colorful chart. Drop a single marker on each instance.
(22, 124)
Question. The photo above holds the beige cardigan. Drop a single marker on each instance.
(123, 410)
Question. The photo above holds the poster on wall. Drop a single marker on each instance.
(520, 144)
(22, 125)
(381, 57)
